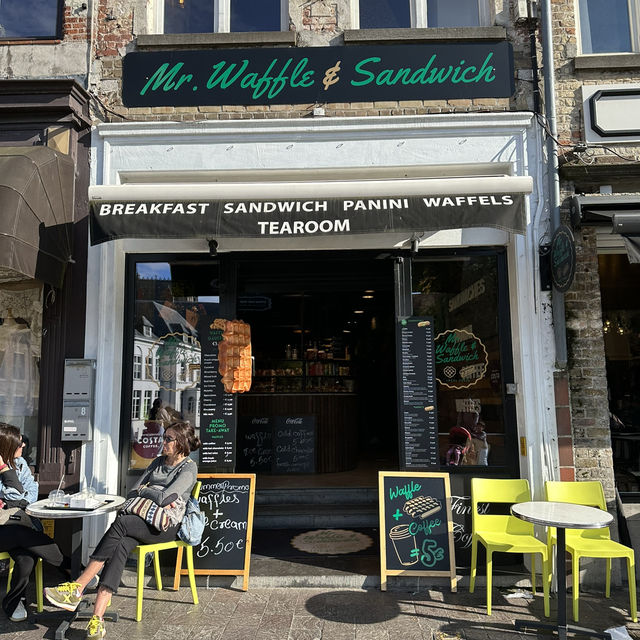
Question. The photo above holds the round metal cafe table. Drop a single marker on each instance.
(562, 515)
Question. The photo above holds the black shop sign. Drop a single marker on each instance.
(287, 218)
(309, 75)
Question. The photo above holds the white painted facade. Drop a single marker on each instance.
(444, 145)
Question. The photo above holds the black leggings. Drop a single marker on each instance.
(121, 538)
(25, 546)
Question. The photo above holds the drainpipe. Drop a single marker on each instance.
(557, 298)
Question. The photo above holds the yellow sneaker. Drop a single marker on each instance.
(66, 595)
(95, 629)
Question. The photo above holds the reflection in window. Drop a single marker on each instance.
(462, 297)
(137, 367)
(32, 19)
(605, 26)
(380, 14)
(135, 405)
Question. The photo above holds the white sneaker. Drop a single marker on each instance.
(20, 613)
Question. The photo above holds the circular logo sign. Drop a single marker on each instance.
(563, 258)
(461, 359)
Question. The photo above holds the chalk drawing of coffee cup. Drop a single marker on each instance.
(404, 543)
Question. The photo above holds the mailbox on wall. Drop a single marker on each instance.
(77, 405)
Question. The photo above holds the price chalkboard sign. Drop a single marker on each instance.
(417, 394)
(294, 444)
(217, 409)
(416, 528)
(255, 444)
(227, 503)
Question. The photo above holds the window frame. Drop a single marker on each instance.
(221, 16)
(58, 35)
(419, 17)
(633, 9)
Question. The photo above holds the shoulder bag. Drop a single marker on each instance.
(149, 511)
(15, 515)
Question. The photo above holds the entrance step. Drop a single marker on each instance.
(316, 508)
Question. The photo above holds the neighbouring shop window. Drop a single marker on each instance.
(201, 16)
(168, 313)
(621, 328)
(606, 26)
(20, 339)
(33, 19)
(386, 14)
(462, 295)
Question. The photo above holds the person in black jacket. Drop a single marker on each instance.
(25, 544)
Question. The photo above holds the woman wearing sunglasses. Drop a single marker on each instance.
(20, 535)
(171, 475)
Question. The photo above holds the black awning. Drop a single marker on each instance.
(36, 212)
(620, 213)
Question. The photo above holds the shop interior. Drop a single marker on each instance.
(621, 326)
(323, 339)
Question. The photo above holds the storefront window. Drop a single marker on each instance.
(20, 340)
(462, 295)
(172, 304)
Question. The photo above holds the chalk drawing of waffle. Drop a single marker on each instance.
(421, 507)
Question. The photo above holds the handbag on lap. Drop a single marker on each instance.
(149, 511)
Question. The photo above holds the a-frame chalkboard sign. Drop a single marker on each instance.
(416, 529)
(226, 499)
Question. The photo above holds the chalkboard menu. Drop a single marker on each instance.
(294, 444)
(277, 444)
(417, 394)
(255, 444)
(217, 410)
(416, 528)
(227, 503)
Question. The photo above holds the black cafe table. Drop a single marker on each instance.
(562, 515)
(42, 509)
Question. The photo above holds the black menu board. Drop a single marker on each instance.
(255, 444)
(227, 503)
(294, 444)
(417, 393)
(416, 528)
(217, 410)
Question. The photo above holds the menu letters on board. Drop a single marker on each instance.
(277, 444)
(416, 528)
(417, 393)
(217, 411)
(227, 503)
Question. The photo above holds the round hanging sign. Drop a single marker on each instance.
(563, 258)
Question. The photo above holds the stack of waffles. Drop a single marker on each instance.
(234, 356)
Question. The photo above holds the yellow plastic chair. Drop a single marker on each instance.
(142, 550)
(504, 533)
(39, 584)
(590, 543)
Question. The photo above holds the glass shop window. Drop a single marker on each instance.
(461, 293)
(175, 300)
(20, 346)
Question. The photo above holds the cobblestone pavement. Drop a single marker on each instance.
(320, 614)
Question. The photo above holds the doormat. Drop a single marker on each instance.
(308, 543)
(332, 542)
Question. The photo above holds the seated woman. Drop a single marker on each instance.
(24, 540)
(169, 476)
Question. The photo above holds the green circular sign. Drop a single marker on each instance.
(563, 258)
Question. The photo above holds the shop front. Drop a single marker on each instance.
(322, 238)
